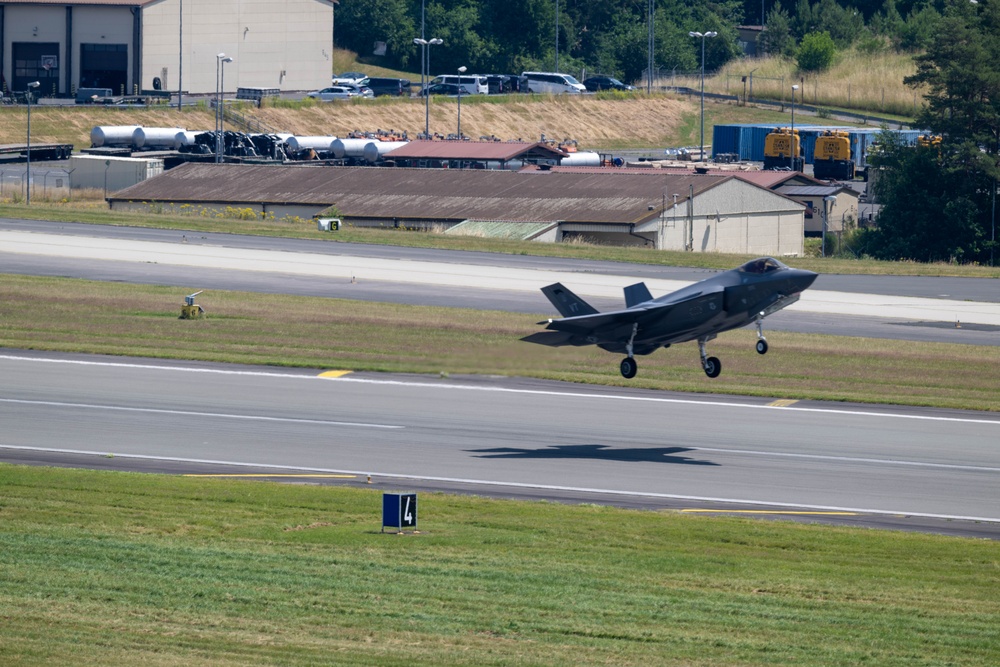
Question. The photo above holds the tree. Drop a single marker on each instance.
(776, 38)
(938, 202)
(816, 53)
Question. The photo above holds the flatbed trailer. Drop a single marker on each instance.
(38, 151)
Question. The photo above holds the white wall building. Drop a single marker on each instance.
(125, 44)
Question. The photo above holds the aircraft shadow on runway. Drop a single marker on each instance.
(596, 452)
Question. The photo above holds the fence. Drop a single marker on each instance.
(46, 184)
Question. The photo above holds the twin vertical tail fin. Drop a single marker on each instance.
(567, 303)
(636, 294)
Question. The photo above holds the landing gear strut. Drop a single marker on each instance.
(761, 341)
(712, 365)
(628, 366)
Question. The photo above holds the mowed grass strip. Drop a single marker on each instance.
(116, 568)
(251, 328)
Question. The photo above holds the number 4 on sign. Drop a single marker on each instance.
(407, 515)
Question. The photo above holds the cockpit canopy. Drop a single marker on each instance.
(762, 265)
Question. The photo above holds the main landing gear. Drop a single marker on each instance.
(628, 366)
(712, 365)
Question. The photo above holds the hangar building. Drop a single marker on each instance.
(130, 45)
(699, 212)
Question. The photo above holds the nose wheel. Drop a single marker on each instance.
(761, 341)
(629, 368)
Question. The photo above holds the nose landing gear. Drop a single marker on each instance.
(761, 341)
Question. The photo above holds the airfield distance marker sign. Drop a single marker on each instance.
(399, 510)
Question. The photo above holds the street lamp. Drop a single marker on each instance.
(461, 71)
(703, 36)
(795, 87)
(27, 96)
(220, 118)
(426, 44)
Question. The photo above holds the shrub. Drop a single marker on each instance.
(816, 53)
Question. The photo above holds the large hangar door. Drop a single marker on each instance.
(35, 62)
(104, 66)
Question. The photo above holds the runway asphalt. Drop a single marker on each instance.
(903, 468)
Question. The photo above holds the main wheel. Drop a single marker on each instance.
(713, 367)
(629, 368)
(762, 346)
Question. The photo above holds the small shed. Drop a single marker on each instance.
(843, 209)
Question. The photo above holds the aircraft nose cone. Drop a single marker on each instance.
(802, 279)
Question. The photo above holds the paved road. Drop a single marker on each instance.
(913, 468)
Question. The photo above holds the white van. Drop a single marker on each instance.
(473, 84)
(551, 82)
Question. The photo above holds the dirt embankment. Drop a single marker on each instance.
(594, 123)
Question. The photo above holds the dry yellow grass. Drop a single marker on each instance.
(592, 122)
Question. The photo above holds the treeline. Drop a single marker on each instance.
(611, 36)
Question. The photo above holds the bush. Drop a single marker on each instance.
(816, 53)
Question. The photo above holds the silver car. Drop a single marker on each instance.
(335, 93)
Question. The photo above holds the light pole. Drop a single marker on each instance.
(461, 71)
(27, 96)
(827, 202)
(791, 139)
(426, 44)
(557, 35)
(701, 150)
(220, 118)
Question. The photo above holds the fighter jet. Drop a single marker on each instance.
(701, 311)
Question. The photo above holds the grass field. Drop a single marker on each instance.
(113, 318)
(102, 568)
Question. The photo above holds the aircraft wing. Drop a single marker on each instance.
(655, 320)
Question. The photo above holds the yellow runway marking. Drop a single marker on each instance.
(770, 512)
(278, 475)
(782, 403)
(334, 374)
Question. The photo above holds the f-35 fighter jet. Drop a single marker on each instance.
(701, 311)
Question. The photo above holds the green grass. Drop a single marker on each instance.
(91, 212)
(101, 568)
(112, 318)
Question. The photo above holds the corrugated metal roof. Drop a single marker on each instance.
(424, 194)
(499, 229)
(770, 179)
(810, 190)
(473, 150)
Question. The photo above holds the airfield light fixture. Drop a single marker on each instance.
(703, 36)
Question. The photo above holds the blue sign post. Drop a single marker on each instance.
(399, 511)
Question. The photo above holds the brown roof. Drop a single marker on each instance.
(424, 194)
(473, 150)
(121, 3)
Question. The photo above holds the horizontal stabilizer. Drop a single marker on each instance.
(567, 303)
(555, 338)
(636, 294)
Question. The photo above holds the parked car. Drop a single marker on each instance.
(449, 89)
(500, 84)
(386, 86)
(361, 90)
(334, 93)
(551, 82)
(348, 77)
(472, 84)
(596, 83)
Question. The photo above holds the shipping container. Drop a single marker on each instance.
(111, 173)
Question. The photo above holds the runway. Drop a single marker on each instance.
(923, 469)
